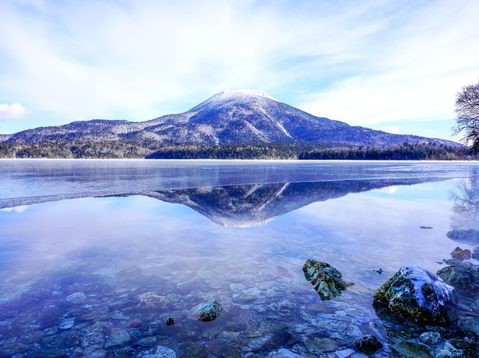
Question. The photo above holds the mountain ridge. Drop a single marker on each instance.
(227, 118)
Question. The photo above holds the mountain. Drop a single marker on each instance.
(227, 118)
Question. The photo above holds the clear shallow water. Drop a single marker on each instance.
(189, 232)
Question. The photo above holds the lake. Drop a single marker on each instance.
(96, 255)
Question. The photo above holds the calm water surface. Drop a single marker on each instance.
(81, 242)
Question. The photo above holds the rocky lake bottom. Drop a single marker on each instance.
(222, 270)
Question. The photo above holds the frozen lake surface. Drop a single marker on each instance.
(139, 241)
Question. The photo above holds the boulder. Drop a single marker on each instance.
(415, 294)
(368, 344)
(326, 280)
(460, 254)
(464, 235)
(207, 311)
(464, 276)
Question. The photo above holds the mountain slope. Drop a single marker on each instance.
(227, 118)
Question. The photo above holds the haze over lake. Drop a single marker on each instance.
(96, 255)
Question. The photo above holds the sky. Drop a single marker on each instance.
(385, 64)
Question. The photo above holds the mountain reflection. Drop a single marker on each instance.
(466, 203)
(256, 204)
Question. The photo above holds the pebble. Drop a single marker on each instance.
(77, 297)
(67, 323)
(344, 353)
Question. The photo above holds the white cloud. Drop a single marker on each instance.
(414, 73)
(12, 111)
(83, 59)
(368, 62)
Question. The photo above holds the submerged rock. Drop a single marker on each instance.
(77, 297)
(460, 254)
(282, 353)
(449, 351)
(117, 337)
(160, 352)
(464, 235)
(464, 276)
(475, 253)
(193, 350)
(207, 311)
(326, 280)
(411, 350)
(277, 340)
(368, 344)
(319, 345)
(149, 299)
(469, 324)
(147, 341)
(67, 323)
(415, 294)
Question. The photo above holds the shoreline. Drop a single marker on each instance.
(249, 160)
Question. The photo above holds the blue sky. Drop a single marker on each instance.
(385, 64)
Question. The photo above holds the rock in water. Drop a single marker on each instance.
(460, 254)
(326, 280)
(207, 311)
(464, 276)
(415, 294)
(368, 344)
(464, 235)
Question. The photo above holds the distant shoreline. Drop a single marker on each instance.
(252, 160)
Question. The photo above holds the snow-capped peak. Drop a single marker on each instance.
(241, 93)
(233, 96)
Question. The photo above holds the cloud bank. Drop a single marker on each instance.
(11, 111)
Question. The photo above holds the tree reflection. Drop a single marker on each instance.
(466, 203)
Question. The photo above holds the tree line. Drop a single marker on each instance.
(127, 150)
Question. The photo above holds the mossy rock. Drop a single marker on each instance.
(414, 294)
(326, 280)
(464, 276)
